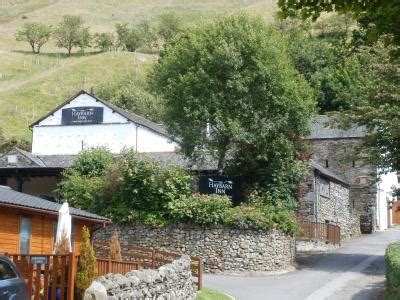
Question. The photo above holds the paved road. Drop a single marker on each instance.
(355, 271)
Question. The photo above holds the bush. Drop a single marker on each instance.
(392, 258)
(84, 183)
(215, 209)
(87, 266)
(200, 209)
(140, 190)
(132, 190)
(93, 162)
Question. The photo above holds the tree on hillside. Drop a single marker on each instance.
(85, 39)
(128, 38)
(231, 89)
(380, 112)
(337, 76)
(170, 25)
(129, 92)
(379, 107)
(379, 18)
(104, 41)
(148, 34)
(71, 33)
(36, 34)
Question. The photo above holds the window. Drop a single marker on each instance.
(324, 188)
(25, 235)
(6, 272)
(326, 163)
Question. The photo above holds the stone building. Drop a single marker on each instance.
(370, 193)
(328, 201)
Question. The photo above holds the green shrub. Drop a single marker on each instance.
(392, 258)
(84, 183)
(82, 191)
(215, 209)
(140, 190)
(200, 209)
(87, 266)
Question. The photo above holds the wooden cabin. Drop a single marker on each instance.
(29, 223)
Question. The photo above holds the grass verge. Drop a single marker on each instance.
(210, 294)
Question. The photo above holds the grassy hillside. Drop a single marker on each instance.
(31, 85)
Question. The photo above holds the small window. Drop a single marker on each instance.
(25, 235)
(324, 189)
(6, 272)
(326, 163)
(354, 163)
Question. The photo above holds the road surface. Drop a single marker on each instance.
(355, 271)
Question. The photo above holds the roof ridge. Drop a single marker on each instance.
(31, 157)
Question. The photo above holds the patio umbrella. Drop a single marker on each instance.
(64, 225)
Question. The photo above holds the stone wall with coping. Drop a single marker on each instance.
(172, 281)
(222, 249)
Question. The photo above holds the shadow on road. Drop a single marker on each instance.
(331, 262)
(373, 291)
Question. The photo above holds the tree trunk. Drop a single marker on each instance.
(33, 47)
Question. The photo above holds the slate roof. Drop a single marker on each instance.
(321, 130)
(175, 158)
(13, 198)
(327, 173)
(57, 161)
(130, 116)
(64, 161)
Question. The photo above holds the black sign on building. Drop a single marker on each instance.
(82, 115)
(220, 185)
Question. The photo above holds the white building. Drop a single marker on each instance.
(84, 122)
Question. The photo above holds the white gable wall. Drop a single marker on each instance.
(384, 193)
(85, 100)
(50, 137)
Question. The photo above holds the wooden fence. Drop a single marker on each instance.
(323, 232)
(107, 265)
(47, 276)
(147, 258)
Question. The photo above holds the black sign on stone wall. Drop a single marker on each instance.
(221, 185)
(82, 115)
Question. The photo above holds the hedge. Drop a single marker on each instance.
(392, 258)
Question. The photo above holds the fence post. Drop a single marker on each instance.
(153, 258)
(71, 276)
(109, 265)
(200, 275)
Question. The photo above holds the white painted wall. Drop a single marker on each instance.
(384, 193)
(50, 137)
(72, 139)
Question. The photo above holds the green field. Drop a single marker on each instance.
(31, 85)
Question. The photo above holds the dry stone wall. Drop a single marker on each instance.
(222, 249)
(170, 282)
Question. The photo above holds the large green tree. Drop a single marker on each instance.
(36, 34)
(380, 18)
(380, 112)
(231, 90)
(70, 33)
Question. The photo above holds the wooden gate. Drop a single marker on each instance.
(396, 212)
(323, 232)
(47, 276)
